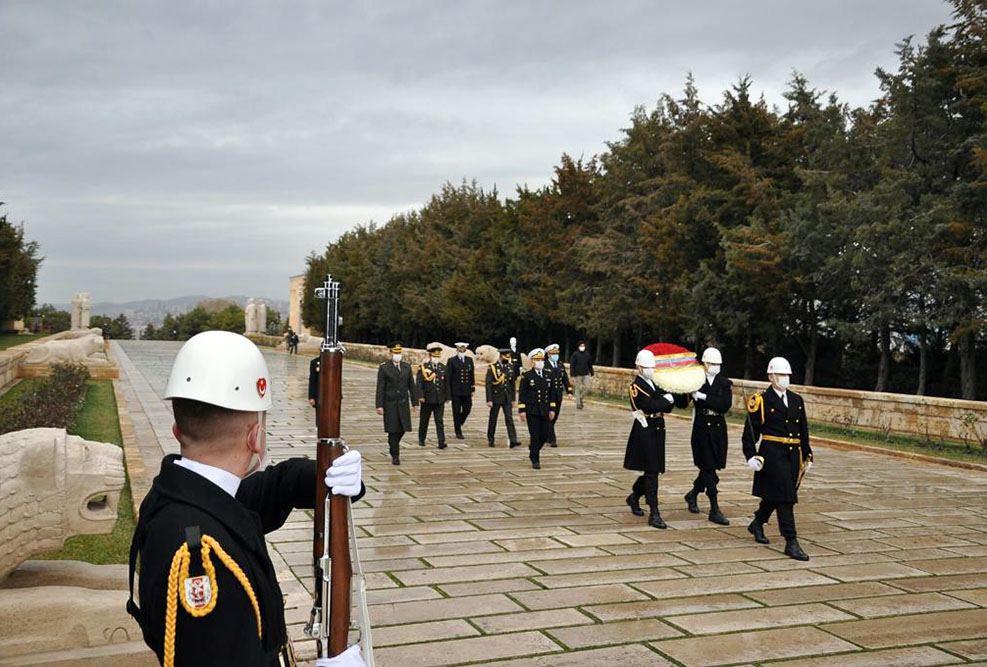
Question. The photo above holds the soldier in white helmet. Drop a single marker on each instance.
(209, 593)
(776, 446)
(646, 443)
(709, 435)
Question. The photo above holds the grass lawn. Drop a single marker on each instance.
(956, 451)
(97, 420)
(10, 340)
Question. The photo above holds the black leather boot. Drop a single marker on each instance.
(756, 529)
(490, 443)
(655, 520)
(421, 443)
(715, 515)
(442, 445)
(635, 504)
(515, 444)
(396, 460)
(793, 550)
(690, 500)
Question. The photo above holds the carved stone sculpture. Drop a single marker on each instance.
(488, 354)
(81, 333)
(87, 349)
(77, 311)
(250, 317)
(54, 485)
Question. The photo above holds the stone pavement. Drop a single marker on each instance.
(473, 557)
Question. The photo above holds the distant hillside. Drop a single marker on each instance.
(152, 311)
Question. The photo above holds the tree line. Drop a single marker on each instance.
(850, 239)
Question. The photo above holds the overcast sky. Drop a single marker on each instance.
(171, 148)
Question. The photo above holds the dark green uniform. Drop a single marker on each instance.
(396, 392)
(500, 391)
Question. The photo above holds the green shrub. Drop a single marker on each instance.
(52, 402)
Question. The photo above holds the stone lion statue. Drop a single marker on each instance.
(88, 350)
(81, 333)
(54, 486)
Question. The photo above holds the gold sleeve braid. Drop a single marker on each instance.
(756, 404)
(176, 578)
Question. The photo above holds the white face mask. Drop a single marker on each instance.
(582, 348)
(461, 355)
(782, 381)
(396, 358)
(539, 365)
(713, 369)
(648, 373)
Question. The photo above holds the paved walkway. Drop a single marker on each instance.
(474, 557)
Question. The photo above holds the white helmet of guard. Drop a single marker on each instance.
(780, 366)
(221, 368)
(645, 359)
(712, 356)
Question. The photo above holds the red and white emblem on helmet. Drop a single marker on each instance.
(261, 387)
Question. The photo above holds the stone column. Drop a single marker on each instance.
(250, 317)
(77, 311)
(261, 310)
(85, 311)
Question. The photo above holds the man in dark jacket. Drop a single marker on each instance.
(560, 387)
(646, 443)
(396, 397)
(536, 405)
(776, 418)
(313, 382)
(433, 392)
(709, 435)
(581, 370)
(209, 593)
(462, 384)
(500, 397)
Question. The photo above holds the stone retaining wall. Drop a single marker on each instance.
(13, 366)
(923, 416)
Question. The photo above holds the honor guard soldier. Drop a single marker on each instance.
(560, 387)
(646, 443)
(536, 406)
(462, 384)
(209, 594)
(500, 396)
(396, 394)
(433, 392)
(776, 418)
(709, 434)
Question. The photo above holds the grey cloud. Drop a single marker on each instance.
(211, 146)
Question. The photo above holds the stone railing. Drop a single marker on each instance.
(921, 416)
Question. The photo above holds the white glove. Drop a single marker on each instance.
(351, 657)
(698, 396)
(641, 419)
(513, 344)
(345, 477)
(669, 398)
(755, 464)
(808, 464)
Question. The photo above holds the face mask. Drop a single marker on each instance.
(396, 358)
(582, 348)
(783, 381)
(539, 365)
(713, 369)
(461, 355)
(554, 358)
(648, 373)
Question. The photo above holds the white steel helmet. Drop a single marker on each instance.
(645, 359)
(712, 356)
(221, 368)
(780, 366)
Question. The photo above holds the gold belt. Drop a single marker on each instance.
(781, 440)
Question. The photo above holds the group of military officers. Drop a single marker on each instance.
(775, 444)
(538, 394)
(775, 439)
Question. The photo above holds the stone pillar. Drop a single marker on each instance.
(250, 317)
(85, 311)
(261, 315)
(77, 311)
